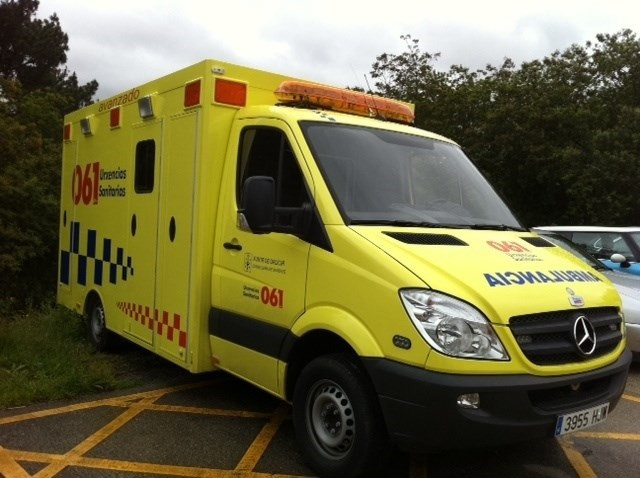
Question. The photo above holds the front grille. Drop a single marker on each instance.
(547, 338)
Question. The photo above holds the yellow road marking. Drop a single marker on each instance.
(71, 457)
(631, 397)
(138, 467)
(207, 411)
(9, 467)
(579, 463)
(123, 401)
(261, 442)
(609, 435)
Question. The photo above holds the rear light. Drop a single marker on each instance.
(192, 94)
(231, 93)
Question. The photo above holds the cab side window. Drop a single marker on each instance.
(266, 152)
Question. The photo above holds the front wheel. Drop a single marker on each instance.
(337, 419)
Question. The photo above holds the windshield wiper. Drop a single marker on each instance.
(496, 227)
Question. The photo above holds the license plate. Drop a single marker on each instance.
(572, 422)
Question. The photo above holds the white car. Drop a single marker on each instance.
(628, 286)
(617, 247)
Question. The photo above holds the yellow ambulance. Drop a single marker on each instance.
(309, 240)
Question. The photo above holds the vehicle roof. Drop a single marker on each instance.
(328, 116)
(589, 228)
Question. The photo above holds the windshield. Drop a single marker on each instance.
(379, 176)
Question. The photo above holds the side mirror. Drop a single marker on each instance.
(258, 203)
(620, 259)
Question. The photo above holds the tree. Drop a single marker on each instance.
(36, 90)
(559, 137)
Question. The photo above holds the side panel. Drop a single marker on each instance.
(175, 236)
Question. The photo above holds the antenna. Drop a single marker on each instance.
(373, 99)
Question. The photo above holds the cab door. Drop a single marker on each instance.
(259, 280)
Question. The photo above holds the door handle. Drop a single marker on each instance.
(231, 246)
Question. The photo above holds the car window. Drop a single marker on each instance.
(603, 244)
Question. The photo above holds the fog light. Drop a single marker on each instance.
(469, 400)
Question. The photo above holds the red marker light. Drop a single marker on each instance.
(114, 117)
(230, 92)
(192, 94)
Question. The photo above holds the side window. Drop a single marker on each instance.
(145, 165)
(266, 152)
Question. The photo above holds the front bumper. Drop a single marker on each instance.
(421, 412)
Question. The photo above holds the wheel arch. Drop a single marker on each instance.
(325, 331)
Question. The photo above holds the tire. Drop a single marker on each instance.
(337, 419)
(101, 337)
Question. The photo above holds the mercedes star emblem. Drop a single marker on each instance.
(585, 336)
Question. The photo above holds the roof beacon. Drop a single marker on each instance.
(302, 93)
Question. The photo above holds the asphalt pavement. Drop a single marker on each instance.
(214, 425)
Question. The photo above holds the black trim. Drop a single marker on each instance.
(420, 410)
(265, 338)
(538, 241)
(427, 239)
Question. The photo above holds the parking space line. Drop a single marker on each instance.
(631, 397)
(262, 441)
(139, 467)
(122, 401)
(609, 436)
(219, 412)
(72, 456)
(9, 467)
(578, 462)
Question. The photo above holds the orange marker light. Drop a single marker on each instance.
(114, 117)
(346, 101)
(230, 92)
(67, 132)
(192, 94)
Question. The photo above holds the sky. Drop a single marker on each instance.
(125, 43)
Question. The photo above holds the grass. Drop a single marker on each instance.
(45, 355)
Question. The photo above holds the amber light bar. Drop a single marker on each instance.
(337, 99)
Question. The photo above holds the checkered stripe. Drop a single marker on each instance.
(165, 324)
(116, 265)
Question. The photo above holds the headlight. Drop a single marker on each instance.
(451, 326)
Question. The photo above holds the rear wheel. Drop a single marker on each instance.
(337, 419)
(101, 338)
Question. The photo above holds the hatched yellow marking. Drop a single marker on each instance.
(609, 435)
(219, 412)
(9, 467)
(578, 462)
(72, 457)
(262, 441)
(123, 401)
(139, 467)
(633, 398)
